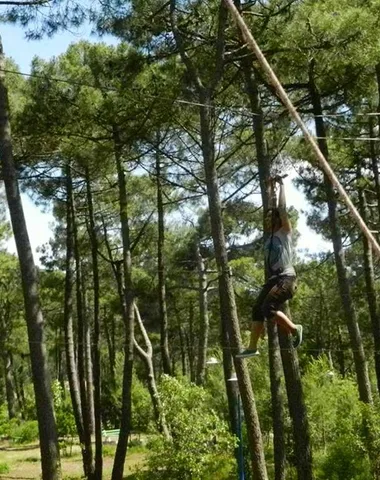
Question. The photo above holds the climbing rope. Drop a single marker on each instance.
(251, 42)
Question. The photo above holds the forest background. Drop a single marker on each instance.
(152, 151)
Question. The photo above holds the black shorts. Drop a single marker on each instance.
(272, 296)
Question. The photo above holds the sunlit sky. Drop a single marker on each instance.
(39, 222)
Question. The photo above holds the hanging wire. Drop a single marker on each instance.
(238, 108)
(176, 345)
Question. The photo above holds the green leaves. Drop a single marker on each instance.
(201, 445)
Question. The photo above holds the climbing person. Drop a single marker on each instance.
(281, 284)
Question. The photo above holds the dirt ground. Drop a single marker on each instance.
(24, 462)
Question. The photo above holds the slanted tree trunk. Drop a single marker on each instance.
(147, 358)
(164, 336)
(370, 283)
(203, 318)
(50, 458)
(361, 368)
(275, 369)
(98, 474)
(89, 466)
(126, 410)
(71, 366)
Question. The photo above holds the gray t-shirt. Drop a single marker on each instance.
(278, 254)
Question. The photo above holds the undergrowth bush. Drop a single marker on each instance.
(200, 447)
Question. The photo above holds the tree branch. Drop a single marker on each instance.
(25, 4)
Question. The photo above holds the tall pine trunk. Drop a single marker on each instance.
(374, 152)
(263, 162)
(9, 384)
(50, 458)
(88, 357)
(84, 398)
(9, 380)
(96, 347)
(203, 317)
(226, 292)
(361, 368)
(126, 409)
(191, 343)
(164, 335)
(369, 275)
(71, 366)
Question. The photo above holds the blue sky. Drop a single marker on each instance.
(23, 51)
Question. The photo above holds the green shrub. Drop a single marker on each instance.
(4, 468)
(26, 432)
(200, 447)
(142, 412)
(345, 460)
(109, 450)
(64, 416)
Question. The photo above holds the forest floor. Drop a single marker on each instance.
(22, 462)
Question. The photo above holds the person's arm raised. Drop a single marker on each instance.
(285, 222)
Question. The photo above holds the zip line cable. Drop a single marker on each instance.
(296, 117)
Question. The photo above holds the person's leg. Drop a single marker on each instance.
(283, 321)
(257, 326)
(257, 329)
(278, 295)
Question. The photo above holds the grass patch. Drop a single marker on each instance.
(137, 449)
(4, 468)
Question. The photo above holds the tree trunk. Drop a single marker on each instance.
(88, 359)
(86, 413)
(181, 340)
(50, 458)
(226, 292)
(71, 367)
(361, 369)
(374, 153)
(147, 359)
(164, 340)
(340, 354)
(203, 318)
(263, 162)
(231, 387)
(10, 392)
(126, 410)
(19, 389)
(111, 349)
(370, 283)
(297, 407)
(96, 347)
(9, 385)
(190, 342)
